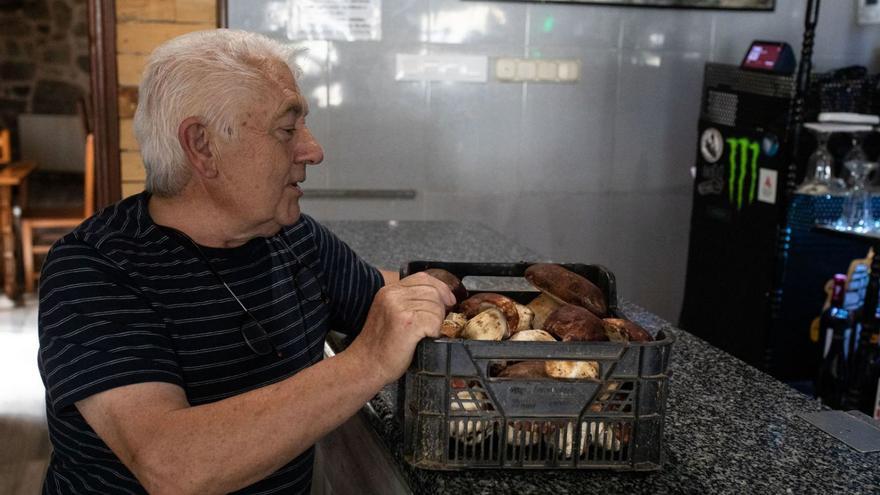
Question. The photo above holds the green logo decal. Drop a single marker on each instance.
(743, 159)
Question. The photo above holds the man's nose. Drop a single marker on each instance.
(308, 150)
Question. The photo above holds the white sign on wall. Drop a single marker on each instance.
(338, 20)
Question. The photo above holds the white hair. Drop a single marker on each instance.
(206, 74)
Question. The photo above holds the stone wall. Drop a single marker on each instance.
(44, 58)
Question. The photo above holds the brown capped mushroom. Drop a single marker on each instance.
(620, 330)
(488, 325)
(524, 369)
(526, 316)
(478, 303)
(567, 286)
(451, 281)
(572, 323)
(453, 325)
(542, 306)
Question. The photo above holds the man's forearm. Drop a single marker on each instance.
(226, 445)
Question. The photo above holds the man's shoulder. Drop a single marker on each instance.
(125, 221)
(112, 234)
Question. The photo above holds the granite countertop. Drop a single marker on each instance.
(730, 428)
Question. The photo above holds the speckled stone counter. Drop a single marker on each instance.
(729, 427)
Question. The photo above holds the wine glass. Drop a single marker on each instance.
(855, 154)
(857, 215)
(819, 178)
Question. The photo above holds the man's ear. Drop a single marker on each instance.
(194, 139)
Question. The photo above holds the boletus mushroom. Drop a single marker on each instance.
(542, 306)
(487, 325)
(453, 325)
(524, 370)
(468, 431)
(532, 336)
(620, 330)
(454, 283)
(526, 317)
(478, 303)
(570, 323)
(567, 287)
(573, 370)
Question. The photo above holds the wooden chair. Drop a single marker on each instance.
(5, 147)
(38, 226)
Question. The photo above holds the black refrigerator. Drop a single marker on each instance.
(756, 269)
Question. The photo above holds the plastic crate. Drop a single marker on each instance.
(457, 415)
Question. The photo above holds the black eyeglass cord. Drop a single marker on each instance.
(201, 254)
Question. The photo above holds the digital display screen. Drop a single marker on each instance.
(762, 56)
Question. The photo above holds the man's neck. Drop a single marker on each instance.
(202, 221)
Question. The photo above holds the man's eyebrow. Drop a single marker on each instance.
(296, 105)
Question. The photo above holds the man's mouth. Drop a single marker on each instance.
(296, 185)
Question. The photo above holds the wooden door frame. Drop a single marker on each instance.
(105, 101)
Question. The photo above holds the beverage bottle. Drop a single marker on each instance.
(831, 381)
(865, 362)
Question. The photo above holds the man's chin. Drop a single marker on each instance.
(290, 216)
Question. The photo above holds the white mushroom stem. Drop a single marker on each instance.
(526, 315)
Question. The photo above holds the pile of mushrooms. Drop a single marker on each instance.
(569, 308)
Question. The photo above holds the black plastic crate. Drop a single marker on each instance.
(457, 415)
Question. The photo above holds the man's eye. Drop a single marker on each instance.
(288, 130)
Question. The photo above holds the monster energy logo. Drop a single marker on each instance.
(743, 159)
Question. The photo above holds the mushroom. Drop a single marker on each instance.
(524, 370)
(567, 287)
(542, 306)
(488, 325)
(609, 436)
(568, 446)
(620, 330)
(469, 431)
(451, 281)
(453, 325)
(532, 336)
(526, 316)
(527, 433)
(478, 303)
(572, 323)
(576, 370)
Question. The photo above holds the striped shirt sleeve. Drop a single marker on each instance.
(352, 282)
(96, 331)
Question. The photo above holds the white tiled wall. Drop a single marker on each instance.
(595, 171)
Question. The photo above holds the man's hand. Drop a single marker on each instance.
(402, 314)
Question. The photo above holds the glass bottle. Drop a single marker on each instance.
(835, 323)
(865, 363)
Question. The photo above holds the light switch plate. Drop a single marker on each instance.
(538, 70)
(505, 69)
(526, 70)
(569, 70)
(868, 11)
(547, 70)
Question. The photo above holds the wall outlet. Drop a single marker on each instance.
(868, 11)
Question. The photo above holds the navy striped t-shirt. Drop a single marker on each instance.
(125, 301)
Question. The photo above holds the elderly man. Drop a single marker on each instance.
(182, 329)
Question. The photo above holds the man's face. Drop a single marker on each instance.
(261, 170)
